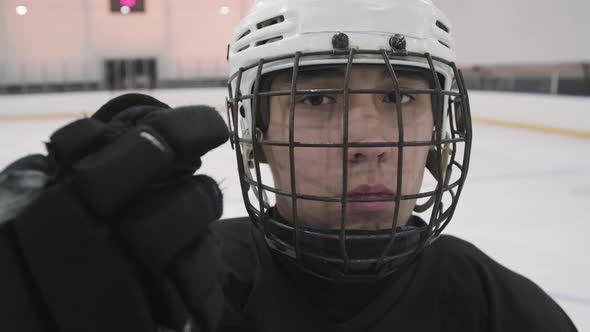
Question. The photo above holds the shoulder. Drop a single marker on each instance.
(234, 228)
(234, 238)
(457, 247)
(465, 260)
(460, 260)
(239, 264)
(513, 301)
(236, 245)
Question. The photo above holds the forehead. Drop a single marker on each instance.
(365, 74)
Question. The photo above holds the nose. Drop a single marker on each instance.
(362, 155)
(367, 125)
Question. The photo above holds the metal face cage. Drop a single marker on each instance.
(345, 254)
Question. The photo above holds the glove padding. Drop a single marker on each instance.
(146, 145)
(131, 167)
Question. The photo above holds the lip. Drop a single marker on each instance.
(369, 192)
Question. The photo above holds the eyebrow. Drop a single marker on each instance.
(307, 75)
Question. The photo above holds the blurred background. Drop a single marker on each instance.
(65, 45)
(526, 62)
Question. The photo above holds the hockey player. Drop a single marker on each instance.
(358, 112)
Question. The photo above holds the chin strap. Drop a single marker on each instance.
(248, 162)
(440, 170)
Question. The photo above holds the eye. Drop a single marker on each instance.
(317, 100)
(391, 98)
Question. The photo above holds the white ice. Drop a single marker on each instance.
(524, 203)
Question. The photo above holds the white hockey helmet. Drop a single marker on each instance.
(290, 34)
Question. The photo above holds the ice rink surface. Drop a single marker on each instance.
(525, 202)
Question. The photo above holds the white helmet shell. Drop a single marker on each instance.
(279, 27)
(308, 25)
(276, 28)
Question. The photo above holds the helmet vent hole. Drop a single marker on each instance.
(243, 48)
(244, 35)
(443, 27)
(444, 44)
(268, 41)
(270, 21)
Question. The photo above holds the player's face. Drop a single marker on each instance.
(372, 171)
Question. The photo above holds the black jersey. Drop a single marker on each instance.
(452, 286)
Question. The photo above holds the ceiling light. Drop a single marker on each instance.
(21, 10)
(224, 10)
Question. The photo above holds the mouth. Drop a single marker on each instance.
(378, 198)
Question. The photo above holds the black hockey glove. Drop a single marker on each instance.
(122, 185)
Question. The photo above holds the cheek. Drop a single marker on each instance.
(316, 169)
(414, 164)
(418, 123)
(314, 166)
(313, 177)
